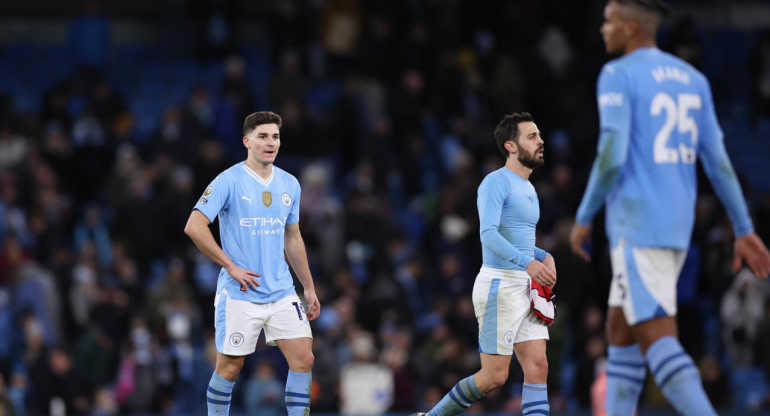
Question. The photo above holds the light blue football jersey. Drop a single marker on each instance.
(508, 213)
(657, 118)
(253, 213)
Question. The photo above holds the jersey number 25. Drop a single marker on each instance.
(677, 116)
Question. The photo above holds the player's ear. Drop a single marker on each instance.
(510, 146)
(246, 142)
(632, 27)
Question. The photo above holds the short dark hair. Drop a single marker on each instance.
(508, 129)
(657, 6)
(259, 118)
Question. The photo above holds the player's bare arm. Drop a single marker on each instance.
(198, 230)
(294, 246)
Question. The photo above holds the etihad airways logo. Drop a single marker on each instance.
(264, 226)
(262, 222)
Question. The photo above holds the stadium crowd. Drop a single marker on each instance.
(388, 111)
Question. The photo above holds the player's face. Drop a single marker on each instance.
(531, 145)
(614, 30)
(263, 143)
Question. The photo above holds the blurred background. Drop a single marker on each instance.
(114, 117)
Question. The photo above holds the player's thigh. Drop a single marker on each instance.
(618, 331)
(531, 357)
(237, 324)
(644, 281)
(287, 320)
(494, 368)
(298, 353)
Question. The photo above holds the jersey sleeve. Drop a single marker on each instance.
(615, 130)
(294, 212)
(613, 100)
(541, 254)
(709, 130)
(215, 197)
(718, 168)
(491, 197)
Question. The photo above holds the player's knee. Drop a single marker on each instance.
(309, 360)
(230, 369)
(537, 368)
(304, 364)
(497, 378)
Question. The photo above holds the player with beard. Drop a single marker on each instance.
(508, 212)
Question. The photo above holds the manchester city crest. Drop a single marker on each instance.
(508, 338)
(236, 339)
(286, 199)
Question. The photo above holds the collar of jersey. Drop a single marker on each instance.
(514, 174)
(259, 179)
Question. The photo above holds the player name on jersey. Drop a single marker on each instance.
(670, 73)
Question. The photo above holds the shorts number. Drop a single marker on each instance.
(297, 306)
(622, 289)
(677, 115)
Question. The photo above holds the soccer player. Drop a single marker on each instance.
(509, 211)
(258, 209)
(657, 117)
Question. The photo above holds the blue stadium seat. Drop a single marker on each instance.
(211, 75)
(8, 83)
(324, 96)
(737, 132)
(134, 52)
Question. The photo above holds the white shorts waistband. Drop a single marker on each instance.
(505, 273)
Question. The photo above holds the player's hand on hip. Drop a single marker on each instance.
(313, 305)
(541, 274)
(550, 263)
(245, 277)
(752, 250)
(577, 237)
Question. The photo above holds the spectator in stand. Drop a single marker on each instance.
(263, 392)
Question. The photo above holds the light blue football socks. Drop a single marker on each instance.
(626, 371)
(678, 378)
(297, 393)
(458, 399)
(218, 396)
(534, 400)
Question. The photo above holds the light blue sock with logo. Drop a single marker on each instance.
(458, 399)
(534, 399)
(678, 378)
(626, 372)
(219, 395)
(298, 393)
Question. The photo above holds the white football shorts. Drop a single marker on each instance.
(501, 302)
(238, 323)
(644, 281)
